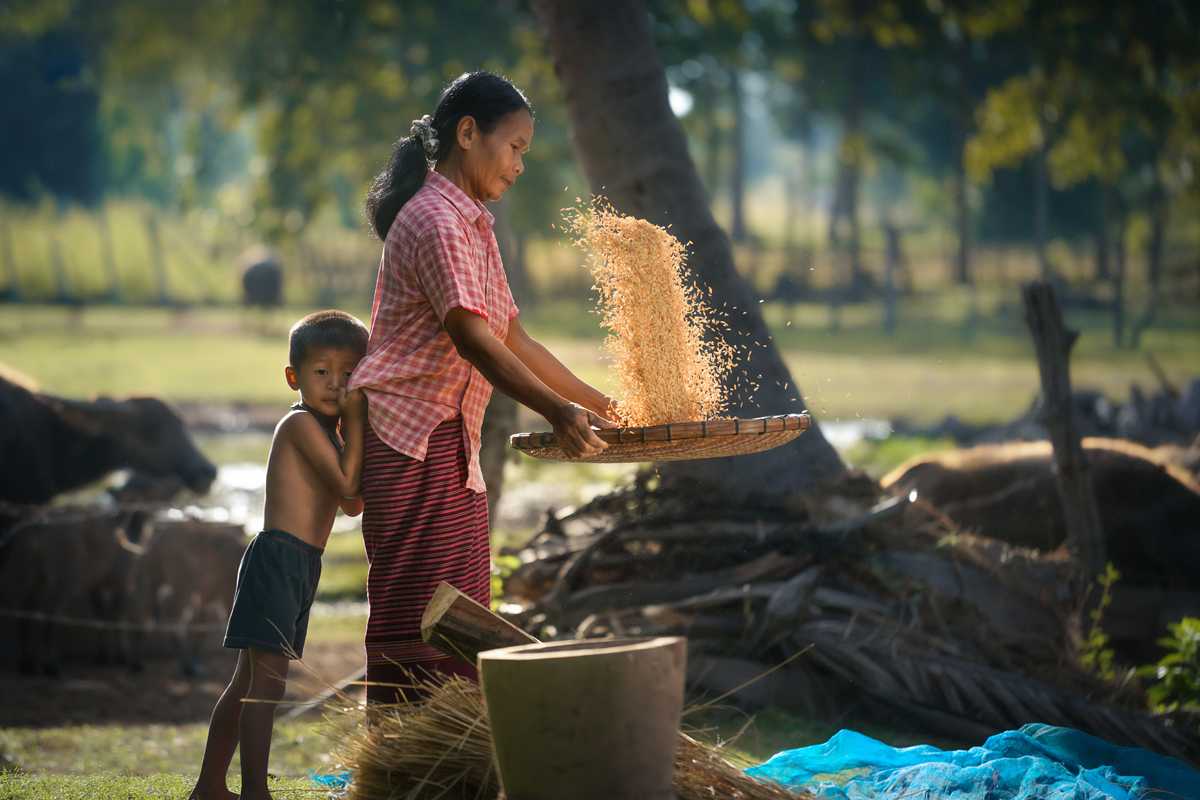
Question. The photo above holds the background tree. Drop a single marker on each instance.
(629, 142)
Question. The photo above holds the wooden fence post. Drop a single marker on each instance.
(1053, 342)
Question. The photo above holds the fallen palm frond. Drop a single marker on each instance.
(961, 635)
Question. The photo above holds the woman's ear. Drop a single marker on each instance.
(466, 132)
(293, 381)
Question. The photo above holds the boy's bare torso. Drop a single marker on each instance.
(298, 501)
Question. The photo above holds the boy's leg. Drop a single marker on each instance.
(223, 736)
(268, 678)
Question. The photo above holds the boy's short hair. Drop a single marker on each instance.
(329, 328)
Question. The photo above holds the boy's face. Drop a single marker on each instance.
(324, 371)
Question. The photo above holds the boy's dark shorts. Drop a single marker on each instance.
(276, 586)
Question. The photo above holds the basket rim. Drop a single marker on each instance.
(677, 431)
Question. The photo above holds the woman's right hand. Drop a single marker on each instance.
(573, 430)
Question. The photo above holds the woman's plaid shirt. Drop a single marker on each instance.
(440, 253)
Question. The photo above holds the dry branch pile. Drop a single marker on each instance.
(442, 747)
(669, 363)
(903, 615)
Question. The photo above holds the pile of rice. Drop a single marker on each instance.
(671, 364)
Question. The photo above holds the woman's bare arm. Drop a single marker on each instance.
(552, 372)
(572, 422)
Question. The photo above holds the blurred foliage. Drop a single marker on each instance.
(276, 115)
(1096, 654)
(1175, 679)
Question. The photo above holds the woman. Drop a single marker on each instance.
(444, 331)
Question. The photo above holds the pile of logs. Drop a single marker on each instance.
(895, 612)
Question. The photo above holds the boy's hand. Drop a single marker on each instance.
(352, 404)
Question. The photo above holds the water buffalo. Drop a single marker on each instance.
(262, 278)
(53, 444)
(1149, 509)
(73, 563)
(183, 584)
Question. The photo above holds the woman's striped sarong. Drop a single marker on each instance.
(421, 525)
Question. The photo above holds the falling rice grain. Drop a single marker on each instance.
(670, 364)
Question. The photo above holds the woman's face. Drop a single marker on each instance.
(492, 162)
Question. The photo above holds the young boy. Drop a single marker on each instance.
(310, 474)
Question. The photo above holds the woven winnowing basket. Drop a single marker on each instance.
(677, 441)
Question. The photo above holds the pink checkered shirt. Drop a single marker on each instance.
(440, 253)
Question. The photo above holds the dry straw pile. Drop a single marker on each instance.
(670, 364)
(442, 747)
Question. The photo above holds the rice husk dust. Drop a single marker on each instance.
(670, 363)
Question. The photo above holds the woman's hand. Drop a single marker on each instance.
(573, 430)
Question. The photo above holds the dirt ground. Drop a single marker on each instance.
(157, 694)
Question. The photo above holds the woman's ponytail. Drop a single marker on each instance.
(482, 95)
(399, 181)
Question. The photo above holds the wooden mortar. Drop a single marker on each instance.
(589, 720)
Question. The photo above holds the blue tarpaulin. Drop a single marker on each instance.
(1037, 762)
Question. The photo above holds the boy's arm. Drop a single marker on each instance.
(354, 420)
(341, 474)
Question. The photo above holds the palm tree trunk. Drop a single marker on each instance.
(737, 181)
(629, 142)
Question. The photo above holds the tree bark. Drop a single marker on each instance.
(1154, 260)
(629, 142)
(157, 258)
(62, 282)
(1053, 343)
(115, 294)
(712, 143)
(849, 183)
(737, 178)
(499, 423)
(965, 110)
(891, 263)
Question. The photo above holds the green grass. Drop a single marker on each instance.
(42, 786)
(928, 369)
(338, 628)
(877, 457)
(343, 568)
(153, 749)
(135, 761)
